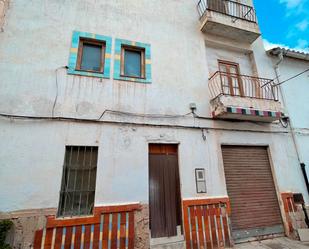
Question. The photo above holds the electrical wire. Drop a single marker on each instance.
(283, 123)
(293, 77)
(11, 116)
(57, 89)
(143, 115)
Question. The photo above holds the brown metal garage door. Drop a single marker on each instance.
(250, 186)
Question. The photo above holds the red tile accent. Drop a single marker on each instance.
(287, 199)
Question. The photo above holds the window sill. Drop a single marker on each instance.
(88, 73)
(61, 218)
(133, 79)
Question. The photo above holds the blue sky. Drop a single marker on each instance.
(284, 23)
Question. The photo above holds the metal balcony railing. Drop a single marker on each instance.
(229, 8)
(222, 83)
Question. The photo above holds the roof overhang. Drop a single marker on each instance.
(289, 53)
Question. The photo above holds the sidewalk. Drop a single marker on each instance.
(277, 243)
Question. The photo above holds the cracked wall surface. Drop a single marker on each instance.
(142, 228)
(25, 223)
(4, 5)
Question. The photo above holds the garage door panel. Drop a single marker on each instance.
(251, 189)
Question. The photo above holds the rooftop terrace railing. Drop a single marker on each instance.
(229, 8)
(221, 83)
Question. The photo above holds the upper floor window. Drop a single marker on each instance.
(78, 181)
(132, 62)
(91, 54)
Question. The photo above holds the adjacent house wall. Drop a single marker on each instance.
(296, 101)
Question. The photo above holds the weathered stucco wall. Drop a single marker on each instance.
(35, 48)
(215, 53)
(36, 45)
(122, 174)
(25, 223)
(37, 42)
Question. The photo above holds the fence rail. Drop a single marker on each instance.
(228, 7)
(221, 83)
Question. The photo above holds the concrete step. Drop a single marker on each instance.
(175, 245)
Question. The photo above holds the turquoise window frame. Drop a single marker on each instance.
(117, 61)
(77, 35)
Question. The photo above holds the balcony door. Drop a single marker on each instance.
(230, 78)
(216, 5)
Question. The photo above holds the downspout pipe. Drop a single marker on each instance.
(279, 53)
(303, 168)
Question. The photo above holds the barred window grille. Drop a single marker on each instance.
(78, 181)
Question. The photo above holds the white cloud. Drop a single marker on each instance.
(291, 3)
(295, 30)
(302, 45)
(296, 7)
(303, 25)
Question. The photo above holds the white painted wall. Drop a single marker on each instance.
(214, 54)
(32, 155)
(37, 42)
(295, 93)
(34, 48)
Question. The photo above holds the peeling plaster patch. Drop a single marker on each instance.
(25, 223)
(84, 108)
(142, 228)
(4, 5)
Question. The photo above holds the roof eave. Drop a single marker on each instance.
(289, 53)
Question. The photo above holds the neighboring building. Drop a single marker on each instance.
(135, 123)
(292, 69)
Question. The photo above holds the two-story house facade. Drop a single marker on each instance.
(137, 124)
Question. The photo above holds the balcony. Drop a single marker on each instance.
(242, 97)
(229, 19)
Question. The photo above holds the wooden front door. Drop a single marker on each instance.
(164, 190)
(230, 79)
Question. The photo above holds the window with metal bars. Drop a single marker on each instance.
(78, 181)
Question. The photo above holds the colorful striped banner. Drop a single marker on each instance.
(253, 112)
